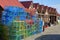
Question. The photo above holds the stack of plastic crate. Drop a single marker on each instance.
(37, 25)
(40, 25)
(16, 31)
(34, 27)
(29, 30)
(29, 24)
(10, 14)
(28, 16)
(23, 28)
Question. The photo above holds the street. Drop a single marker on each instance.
(50, 33)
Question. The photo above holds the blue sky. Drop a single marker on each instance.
(50, 3)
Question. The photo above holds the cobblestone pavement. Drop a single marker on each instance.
(50, 33)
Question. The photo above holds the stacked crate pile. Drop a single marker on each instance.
(19, 24)
(10, 14)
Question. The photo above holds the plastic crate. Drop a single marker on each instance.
(16, 37)
(10, 15)
(13, 37)
(17, 33)
(22, 17)
(33, 33)
(21, 37)
(13, 8)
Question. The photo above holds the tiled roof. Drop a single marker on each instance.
(26, 4)
(45, 8)
(49, 9)
(35, 5)
(41, 6)
(55, 10)
(4, 3)
(52, 10)
(57, 14)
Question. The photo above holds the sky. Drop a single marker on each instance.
(50, 3)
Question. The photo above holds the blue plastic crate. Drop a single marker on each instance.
(13, 8)
(4, 13)
(41, 30)
(22, 18)
(11, 12)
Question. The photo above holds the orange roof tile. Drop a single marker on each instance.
(4, 3)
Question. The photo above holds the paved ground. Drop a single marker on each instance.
(51, 33)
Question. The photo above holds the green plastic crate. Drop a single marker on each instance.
(16, 37)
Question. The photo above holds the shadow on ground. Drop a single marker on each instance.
(49, 37)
